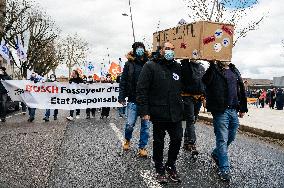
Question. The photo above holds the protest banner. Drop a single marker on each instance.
(201, 40)
(55, 95)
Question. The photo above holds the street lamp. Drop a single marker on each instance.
(131, 18)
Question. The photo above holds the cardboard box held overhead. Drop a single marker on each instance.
(199, 40)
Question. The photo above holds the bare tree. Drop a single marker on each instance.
(217, 11)
(2, 16)
(37, 32)
(75, 51)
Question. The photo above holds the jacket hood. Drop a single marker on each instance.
(131, 57)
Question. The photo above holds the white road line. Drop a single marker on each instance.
(149, 179)
(147, 176)
(117, 131)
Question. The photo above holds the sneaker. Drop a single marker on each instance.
(77, 117)
(55, 118)
(225, 176)
(191, 148)
(46, 119)
(120, 116)
(142, 152)
(88, 117)
(24, 113)
(215, 158)
(93, 114)
(126, 145)
(70, 118)
(171, 170)
(161, 178)
(31, 119)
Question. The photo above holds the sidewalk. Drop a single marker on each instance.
(261, 121)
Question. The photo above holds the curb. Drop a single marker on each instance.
(259, 132)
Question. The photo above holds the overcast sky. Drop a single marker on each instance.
(101, 23)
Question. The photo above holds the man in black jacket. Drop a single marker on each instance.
(3, 93)
(159, 99)
(128, 82)
(225, 98)
(193, 91)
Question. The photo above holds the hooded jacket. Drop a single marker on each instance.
(217, 89)
(130, 75)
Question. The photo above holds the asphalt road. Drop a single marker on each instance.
(87, 153)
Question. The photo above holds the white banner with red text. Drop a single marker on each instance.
(65, 96)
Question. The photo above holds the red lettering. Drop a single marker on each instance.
(43, 90)
(28, 88)
(227, 30)
(48, 89)
(209, 39)
(36, 89)
(54, 89)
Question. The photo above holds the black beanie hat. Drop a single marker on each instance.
(135, 45)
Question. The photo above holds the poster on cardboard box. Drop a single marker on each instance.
(200, 40)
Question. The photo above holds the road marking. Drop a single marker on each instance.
(147, 176)
(117, 131)
(149, 179)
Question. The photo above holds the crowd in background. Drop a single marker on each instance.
(273, 98)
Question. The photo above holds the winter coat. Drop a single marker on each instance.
(159, 91)
(3, 77)
(130, 75)
(191, 78)
(217, 89)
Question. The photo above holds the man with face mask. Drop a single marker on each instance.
(225, 98)
(128, 82)
(193, 91)
(52, 78)
(3, 93)
(159, 99)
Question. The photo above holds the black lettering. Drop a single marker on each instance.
(53, 100)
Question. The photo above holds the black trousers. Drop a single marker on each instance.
(105, 111)
(191, 111)
(77, 112)
(3, 106)
(91, 110)
(159, 131)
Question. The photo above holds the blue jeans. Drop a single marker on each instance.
(129, 127)
(47, 113)
(32, 112)
(225, 128)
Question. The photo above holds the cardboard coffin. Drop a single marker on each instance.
(201, 40)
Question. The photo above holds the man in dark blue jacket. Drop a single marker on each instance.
(159, 99)
(225, 98)
(128, 82)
